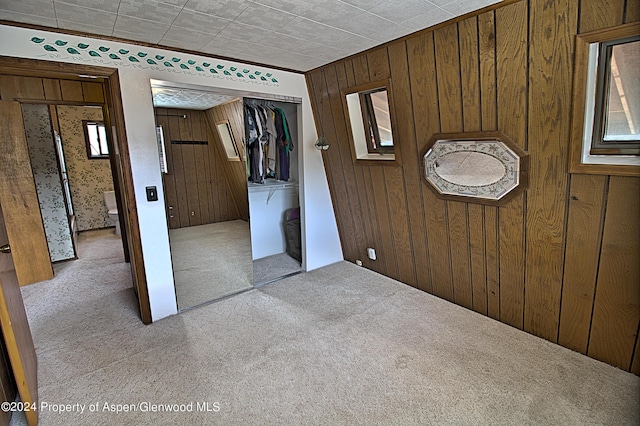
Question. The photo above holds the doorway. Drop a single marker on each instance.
(32, 81)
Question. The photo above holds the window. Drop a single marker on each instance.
(228, 141)
(617, 104)
(95, 136)
(606, 102)
(377, 121)
(369, 113)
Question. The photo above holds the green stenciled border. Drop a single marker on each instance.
(144, 58)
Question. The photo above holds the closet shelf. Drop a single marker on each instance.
(270, 184)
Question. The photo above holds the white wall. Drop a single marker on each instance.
(319, 230)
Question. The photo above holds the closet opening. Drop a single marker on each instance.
(271, 129)
(232, 198)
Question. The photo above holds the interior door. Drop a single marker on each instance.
(19, 200)
(16, 331)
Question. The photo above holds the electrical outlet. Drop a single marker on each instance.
(371, 253)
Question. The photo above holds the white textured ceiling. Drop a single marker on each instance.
(295, 34)
(174, 97)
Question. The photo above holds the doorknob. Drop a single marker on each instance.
(5, 249)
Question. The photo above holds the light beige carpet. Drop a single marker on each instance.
(336, 346)
(211, 261)
(271, 268)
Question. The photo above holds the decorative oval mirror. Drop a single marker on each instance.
(470, 168)
(483, 167)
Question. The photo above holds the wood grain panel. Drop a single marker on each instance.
(584, 230)
(18, 87)
(547, 195)
(487, 58)
(204, 179)
(477, 257)
(616, 310)
(511, 76)
(71, 90)
(201, 183)
(181, 209)
(378, 62)
(196, 186)
(360, 67)
(459, 240)
(399, 220)
(598, 14)
(92, 92)
(233, 171)
(470, 74)
(424, 95)
(370, 191)
(215, 184)
(413, 250)
(52, 91)
(384, 246)
(190, 171)
(492, 250)
(448, 76)
(7, 87)
(632, 13)
(20, 201)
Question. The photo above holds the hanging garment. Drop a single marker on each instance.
(271, 142)
(284, 144)
(254, 147)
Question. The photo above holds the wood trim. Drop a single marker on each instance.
(578, 101)
(130, 220)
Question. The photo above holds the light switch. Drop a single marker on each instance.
(152, 193)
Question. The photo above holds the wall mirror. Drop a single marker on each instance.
(369, 113)
(205, 193)
(482, 167)
(215, 250)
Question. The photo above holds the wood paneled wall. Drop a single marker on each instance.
(560, 260)
(235, 170)
(196, 188)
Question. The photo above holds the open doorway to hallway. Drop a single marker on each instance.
(40, 82)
